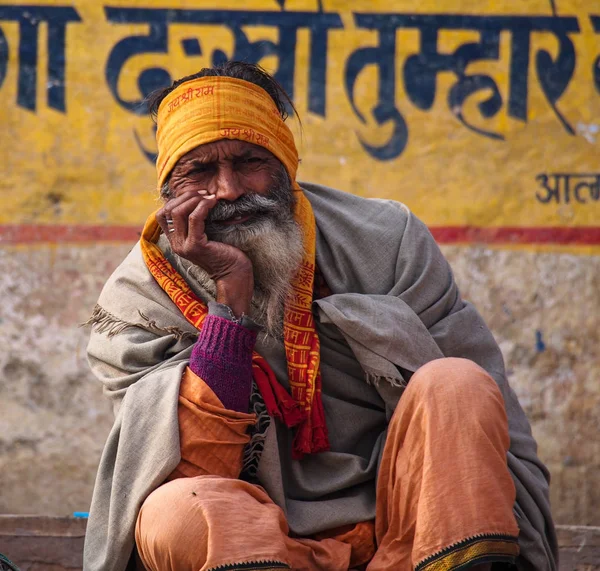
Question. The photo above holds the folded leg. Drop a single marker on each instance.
(444, 494)
(210, 522)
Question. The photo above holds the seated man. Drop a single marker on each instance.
(297, 382)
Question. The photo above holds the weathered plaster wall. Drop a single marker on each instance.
(544, 311)
(542, 307)
(53, 417)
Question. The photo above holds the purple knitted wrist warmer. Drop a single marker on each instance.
(222, 358)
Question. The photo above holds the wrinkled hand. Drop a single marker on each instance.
(228, 266)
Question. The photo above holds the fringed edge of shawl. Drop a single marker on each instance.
(103, 321)
(373, 378)
(178, 333)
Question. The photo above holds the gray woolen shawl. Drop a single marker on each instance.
(395, 306)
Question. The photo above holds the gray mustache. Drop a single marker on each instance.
(245, 205)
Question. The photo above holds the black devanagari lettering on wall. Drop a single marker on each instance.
(29, 18)
(422, 68)
(386, 110)
(155, 41)
(419, 73)
(567, 188)
(596, 65)
(3, 56)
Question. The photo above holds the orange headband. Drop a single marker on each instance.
(212, 108)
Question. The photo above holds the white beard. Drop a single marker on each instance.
(275, 249)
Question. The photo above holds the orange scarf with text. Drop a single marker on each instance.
(213, 108)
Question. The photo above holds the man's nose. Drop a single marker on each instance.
(226, 184)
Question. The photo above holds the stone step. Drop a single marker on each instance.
(41, 543)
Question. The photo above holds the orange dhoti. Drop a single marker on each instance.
(444, 493)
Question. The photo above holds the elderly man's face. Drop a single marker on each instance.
(253, 212)
(226, 168)
(252, 188)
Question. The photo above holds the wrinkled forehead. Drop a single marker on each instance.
(226, 150)
(213, 109)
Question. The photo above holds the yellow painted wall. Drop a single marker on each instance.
(85, 164)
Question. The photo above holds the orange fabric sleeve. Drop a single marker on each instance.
(212, 438)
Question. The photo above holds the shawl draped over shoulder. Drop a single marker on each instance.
(396, 306)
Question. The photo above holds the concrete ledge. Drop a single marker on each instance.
(579, 548)
(40, 543)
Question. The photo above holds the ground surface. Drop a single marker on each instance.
(38, 543)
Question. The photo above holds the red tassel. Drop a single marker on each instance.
(320, 441)
(302, 441)
(261, 378)
(277, 400)
(291, 411)
(311, 435)
(309, 439)
(318, 416)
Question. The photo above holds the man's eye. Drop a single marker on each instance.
(253, 161)
(199, 169)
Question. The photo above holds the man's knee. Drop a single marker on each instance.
(456, 399)
(169, 522)
(459, 381)
(189, 522)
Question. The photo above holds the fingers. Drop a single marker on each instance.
(163, 216)
(172, 217)
(179, 214)
(182, 220)
(197, 217)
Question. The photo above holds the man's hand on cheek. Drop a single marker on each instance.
(182, 220)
